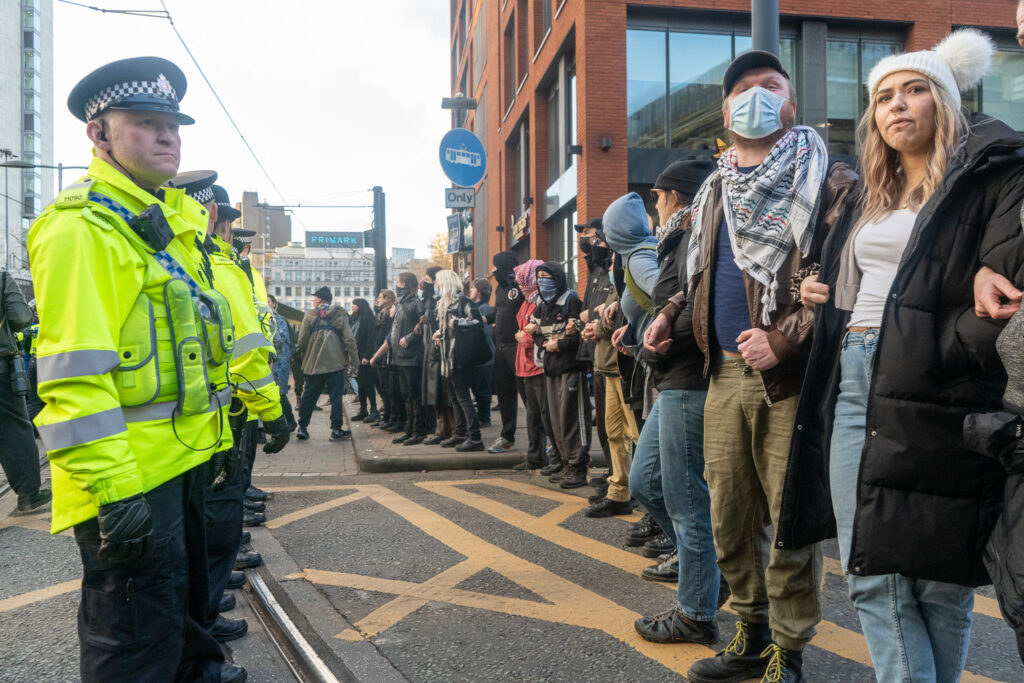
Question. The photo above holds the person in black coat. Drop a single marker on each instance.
(507, 300)
(899, 358)
(483, 378)
(364, 329)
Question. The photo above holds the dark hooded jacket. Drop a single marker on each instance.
(507, 299)
(403, 325)
(682, 365)
(599, 287)
(925, 502)
(551, 317)
(364, 328)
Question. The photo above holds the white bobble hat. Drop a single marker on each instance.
(956, 64)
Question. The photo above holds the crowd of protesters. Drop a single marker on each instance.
(728, 349)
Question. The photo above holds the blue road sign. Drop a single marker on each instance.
(463, 158)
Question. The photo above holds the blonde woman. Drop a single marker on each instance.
(454, 306)
(899, 358)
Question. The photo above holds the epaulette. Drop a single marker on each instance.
(73, 196)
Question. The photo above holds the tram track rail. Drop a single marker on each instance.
(294, 649)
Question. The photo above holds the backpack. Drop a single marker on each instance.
(635, 291)
(322, 323)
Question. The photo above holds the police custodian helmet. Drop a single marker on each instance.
(136, 84)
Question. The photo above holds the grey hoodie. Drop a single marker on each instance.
(627, 232)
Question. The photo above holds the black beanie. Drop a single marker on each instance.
(685, 176)
(432, 271)
(324, 294)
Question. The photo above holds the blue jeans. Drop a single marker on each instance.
(916, 630)
(667, 477)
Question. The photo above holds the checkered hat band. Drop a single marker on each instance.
(224, 205)
(203, 196)
(108, 97)
(243, 240)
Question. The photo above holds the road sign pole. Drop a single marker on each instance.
(764, 25)
(380, 256)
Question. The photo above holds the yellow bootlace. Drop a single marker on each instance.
(738, 644)
(776, 665)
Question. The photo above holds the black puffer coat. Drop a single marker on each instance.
(925, 502)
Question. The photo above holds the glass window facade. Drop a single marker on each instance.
(847, 67)
(674, 84)
(1002, 90)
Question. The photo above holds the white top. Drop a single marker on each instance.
(878, 248)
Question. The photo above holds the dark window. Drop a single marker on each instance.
(1002, 90)
(847, 66)
(510, 63)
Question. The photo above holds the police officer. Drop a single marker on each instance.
(255, 395)
(19, 455)
(133, 355)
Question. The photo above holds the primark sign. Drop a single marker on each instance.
(334, 240)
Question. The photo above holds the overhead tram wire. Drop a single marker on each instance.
(166, 14)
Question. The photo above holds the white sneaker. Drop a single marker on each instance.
(501, 445)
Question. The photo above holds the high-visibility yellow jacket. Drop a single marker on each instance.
(115, 335)
(250, 364)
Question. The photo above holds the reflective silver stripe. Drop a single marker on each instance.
(82, 429)
(246, 385)
(165, 410)
(250, 342)
(76, 364)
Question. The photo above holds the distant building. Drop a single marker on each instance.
(294, 272)
(400, 256)
(272, 224)
(26, 121)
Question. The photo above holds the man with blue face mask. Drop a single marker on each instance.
(758, 223)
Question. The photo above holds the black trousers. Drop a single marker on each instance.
(532, 390)
(505, 388)
(467, 422)
(144, 622)
(396, 402)
(411, 379)
(483, 388)
(368, 387)
(602, 435)
(223, 512)
(19, 455)
(314, 386)
(32, 400)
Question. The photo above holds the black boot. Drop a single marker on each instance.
(576, 478)
(254, 505)
(32, 501)
(746, 656)
(673, 627)
(236, 580)
(657, 546)
(232, 673)
(225, 629)
(253, 493)
(642, 531)
(784, 666)
(227, 602)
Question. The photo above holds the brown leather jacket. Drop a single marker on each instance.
(789, 333)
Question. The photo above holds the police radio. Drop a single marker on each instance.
(19, 378)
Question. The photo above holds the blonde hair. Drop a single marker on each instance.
(880, 165)
(449, 289)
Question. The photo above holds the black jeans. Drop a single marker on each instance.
(144, 622)
(410, 378)
(483, 389)
(314, 386)
(505, 388)
(19, 455)
(467, 422)
(368, 387)
(532, 390)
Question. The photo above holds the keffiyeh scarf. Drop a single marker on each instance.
(768, 210)
(670, 226)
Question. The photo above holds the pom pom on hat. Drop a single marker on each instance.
(968, 52)
(957, 63)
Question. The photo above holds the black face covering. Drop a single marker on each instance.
(589, 260)
(428, 290)
(586, 244)
(602, 256)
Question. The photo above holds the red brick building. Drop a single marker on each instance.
(580, 101)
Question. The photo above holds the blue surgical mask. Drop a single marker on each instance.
(755, 113)
(547, 288)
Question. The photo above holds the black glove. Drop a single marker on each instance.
(126, 531)
(278, 434)
(225, 467)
